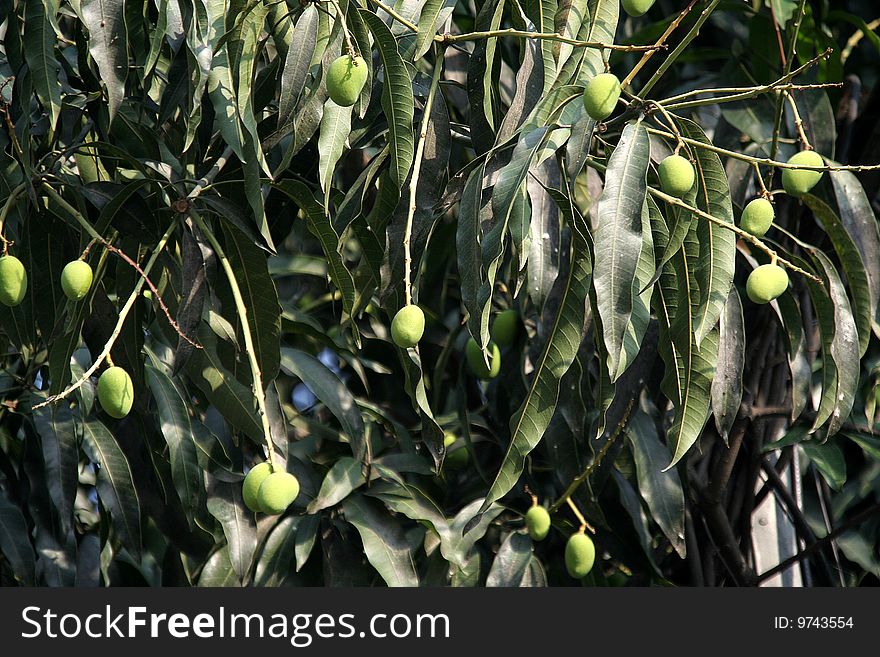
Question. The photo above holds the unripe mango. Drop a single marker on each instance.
(505, 328)
(277, 492)
(346, 78)
(455, 458)
(538, 522)
(115, 392)
(475, 360)
(636, 8)
(766, 283)
(798, 182)
(757, 217)
(580, 553)
(600, 96)
(76, 279)
(13, 281)
(408, 326)
(251, 486)
(676, 175)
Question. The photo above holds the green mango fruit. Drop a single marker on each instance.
(408, 326)
(798, 182)
(636, 8)
(456, 459)
(475, 360)
(251, 486)
(13, 281)
(601, 95)
(115, 392)
(76, 279)
(538, 522)
(346, 78)
(676, 175)
(505, 328)
(766, 283)
(277, 492)
(757, 217)
(580, 553)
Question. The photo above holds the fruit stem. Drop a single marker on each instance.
(679, 144)
(798, 122)
(748, 237)
(117, 330)
(577, 512)
(109, 360)
(597, 460)
(7, 207)
(765, 193)
(341, 16)
(765, 161)
(118, 252)
(788, 60)
(417, 168)
(659, 43)
(250, 350)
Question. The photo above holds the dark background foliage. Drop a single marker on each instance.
(196, 136)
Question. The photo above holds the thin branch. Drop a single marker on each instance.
(597, 460)
(7, 207)
(96, 237)
(765, 161)
(736, 229)
(546, 36)
(208, 178)
(660, 42)
(788, 59)
(670, 60)
(124, 256)
(746, 93)
(580, 516)
(117, 330)
(251, 351)
(345, 32)
(798, 121)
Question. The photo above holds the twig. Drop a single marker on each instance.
(208, 178)
(597, 460)
(96, 237)
(738, 94)
(669, 120)
(117, 330)
(695, 30)
(345, 32)
(7, 207)
(788, 59)
(124, 256)
(798, 122)
(547, 36)
(774, 256)
(765, 193)
(251, 351)
(661, 41)
(414, 179)
(765, 161)
(746, 93)
(580, 516)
